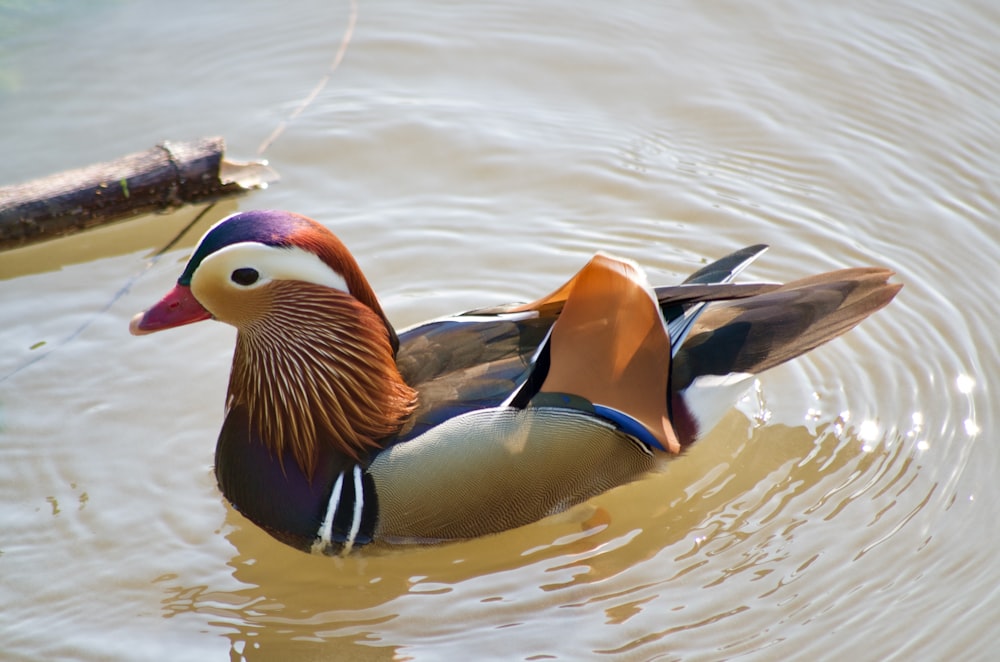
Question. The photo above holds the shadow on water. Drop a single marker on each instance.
(151, 231)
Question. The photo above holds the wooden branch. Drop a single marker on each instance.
(165, 177)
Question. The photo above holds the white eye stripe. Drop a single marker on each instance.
(272, 263)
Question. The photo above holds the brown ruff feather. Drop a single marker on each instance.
(318, 368)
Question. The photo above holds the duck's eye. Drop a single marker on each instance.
(245, 276)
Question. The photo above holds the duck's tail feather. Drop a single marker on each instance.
(751, 335)
(734, 340)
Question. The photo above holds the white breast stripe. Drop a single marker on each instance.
(322, 542)
(359, 504)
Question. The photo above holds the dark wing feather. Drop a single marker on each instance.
(459, 366)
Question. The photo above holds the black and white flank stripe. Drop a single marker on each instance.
(351, 514)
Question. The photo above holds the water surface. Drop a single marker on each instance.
(471, 155)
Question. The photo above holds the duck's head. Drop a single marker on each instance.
(240, 258)
(314, 360)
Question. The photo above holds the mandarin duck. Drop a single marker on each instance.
(339, 432)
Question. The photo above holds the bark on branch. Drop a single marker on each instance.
(167, 176)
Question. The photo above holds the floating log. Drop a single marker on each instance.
(168, 176)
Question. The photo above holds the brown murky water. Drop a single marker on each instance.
(475, 154)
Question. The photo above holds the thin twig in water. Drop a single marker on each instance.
(307, 101)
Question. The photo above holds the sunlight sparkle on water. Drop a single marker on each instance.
(917, 418)
(965, 384)
(868, 433)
